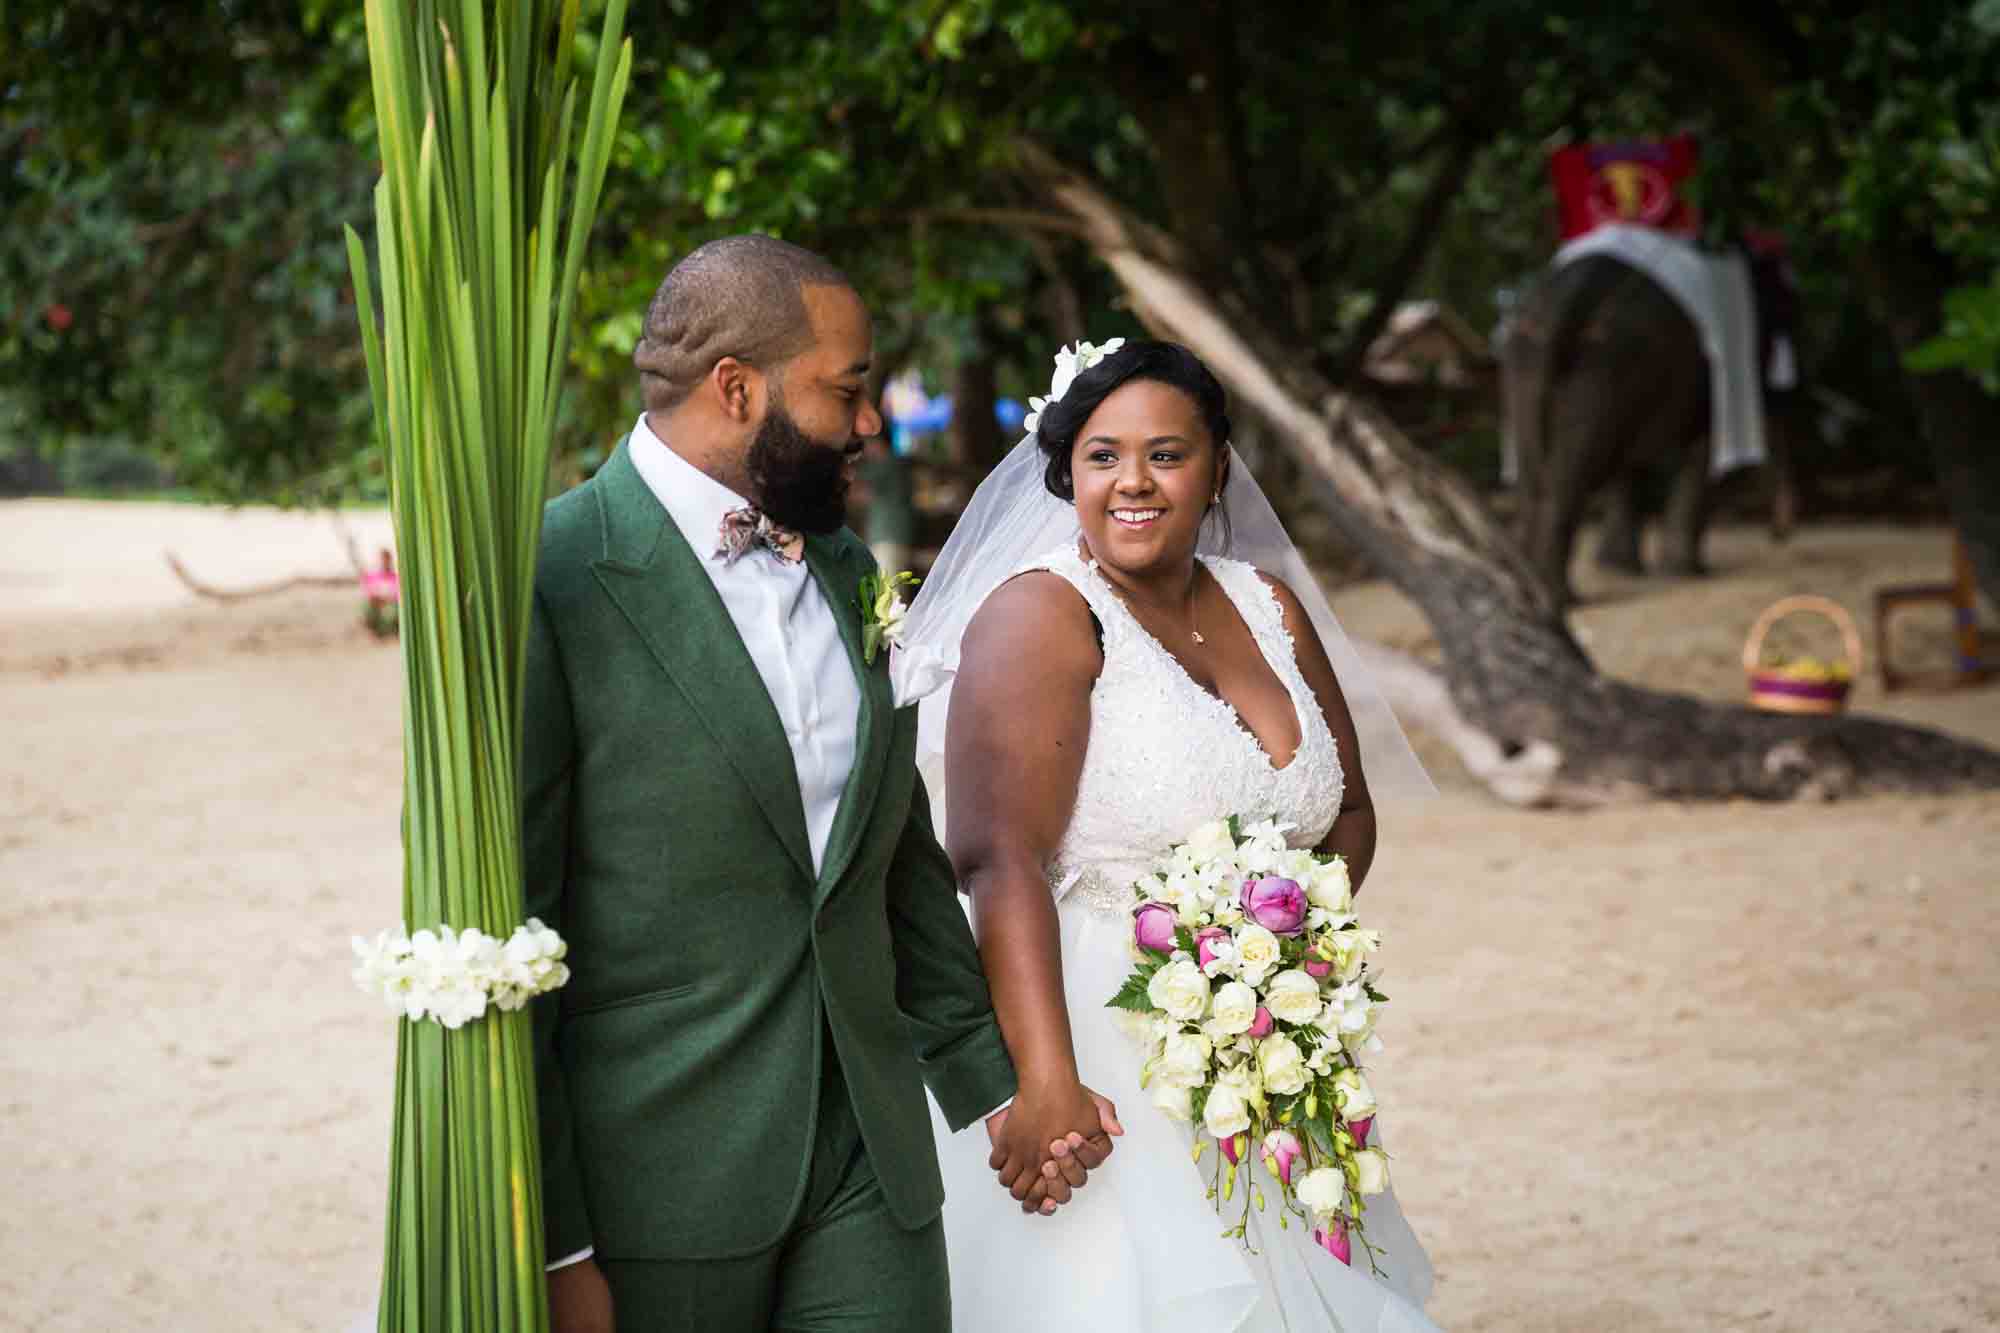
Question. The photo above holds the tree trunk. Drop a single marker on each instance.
(1513, 673)
(975, 433)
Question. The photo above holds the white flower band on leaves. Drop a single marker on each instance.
(1070, 362)
(450, 976)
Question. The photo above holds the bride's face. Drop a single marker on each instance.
(1144, 467)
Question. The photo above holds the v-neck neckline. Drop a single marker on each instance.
(1214, 696)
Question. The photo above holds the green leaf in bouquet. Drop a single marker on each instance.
(1132, 995)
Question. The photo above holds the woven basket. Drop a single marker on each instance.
(1779, 693)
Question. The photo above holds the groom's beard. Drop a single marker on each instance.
(801, 482)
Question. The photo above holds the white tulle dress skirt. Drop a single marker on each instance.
(1139, 1249)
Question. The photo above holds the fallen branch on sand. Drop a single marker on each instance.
(215, 594)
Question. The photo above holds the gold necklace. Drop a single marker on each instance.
(1193, 628)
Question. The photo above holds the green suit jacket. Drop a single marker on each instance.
(678, 1071)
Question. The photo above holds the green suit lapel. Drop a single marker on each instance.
(839, 567)
(656, 579)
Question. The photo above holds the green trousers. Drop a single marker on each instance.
(844, 1267)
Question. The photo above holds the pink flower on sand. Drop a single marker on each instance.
(1333, 1239)
(1275, 903)
(1281, 1149)
(1260, 1026)
(1204, 943)
(1153, 927)
(1359, 1129)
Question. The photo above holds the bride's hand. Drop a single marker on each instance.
(1047, 1142)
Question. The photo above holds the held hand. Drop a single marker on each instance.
(1045, 1145)
(580, 1299)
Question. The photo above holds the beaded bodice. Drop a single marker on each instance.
(1165, 755)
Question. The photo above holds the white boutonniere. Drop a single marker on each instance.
(1070, 362)
(883, 612)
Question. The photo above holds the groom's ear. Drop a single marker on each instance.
(738, 389)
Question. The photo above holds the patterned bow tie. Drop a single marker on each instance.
(746, 529)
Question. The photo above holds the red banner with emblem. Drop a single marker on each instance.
(1638, 182)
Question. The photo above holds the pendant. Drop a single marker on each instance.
(1198, 638)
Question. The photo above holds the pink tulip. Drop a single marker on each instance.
(1359, 1129)
(1204, 943)
(1318, 967)
(1334, 1241)
(1261, 1025)
(1275, 903)
(1281, 1149)
(1153, 927)
(1230, 1149)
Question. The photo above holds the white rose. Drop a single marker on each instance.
(1227, 1111)
(1371, 1171)
(1283, 1068)
(1242, 1076)
(1180, 989)
(1330, 887)
(1323, 1191)
(1183, 1061)
(1357, 1099)
(1299, 865)
(1174, 1101)
(1293, 996)
(1256, 953)
(1141, 1028)
(1210, 842)
(1235, 1008)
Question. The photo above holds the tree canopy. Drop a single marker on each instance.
(176, 187)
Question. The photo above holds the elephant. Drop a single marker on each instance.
(1605, 379)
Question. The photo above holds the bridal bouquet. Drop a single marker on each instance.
(1253, 999)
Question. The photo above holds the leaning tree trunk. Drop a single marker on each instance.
(1540, 722)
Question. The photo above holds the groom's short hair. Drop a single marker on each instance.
(740, 296)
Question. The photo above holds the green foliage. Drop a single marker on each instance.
(1132, 995)
(1970, 341)
(173, 269)
(177, 186)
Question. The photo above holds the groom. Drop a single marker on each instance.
(722, 815)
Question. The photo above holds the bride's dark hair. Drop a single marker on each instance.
(1162, 362)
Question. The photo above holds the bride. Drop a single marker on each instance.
(1100, 681)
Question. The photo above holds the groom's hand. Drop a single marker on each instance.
(1047, 1142)
(580, 1299)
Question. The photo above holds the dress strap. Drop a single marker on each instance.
(1105, 608)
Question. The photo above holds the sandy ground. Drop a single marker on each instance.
(1656, 1067)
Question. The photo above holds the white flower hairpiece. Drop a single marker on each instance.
(1070, 362)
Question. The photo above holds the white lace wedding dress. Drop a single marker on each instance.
(1139, 1249)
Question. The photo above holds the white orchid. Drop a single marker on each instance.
(1070, 362)
(451, 976)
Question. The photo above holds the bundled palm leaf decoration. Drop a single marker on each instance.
(479, 259)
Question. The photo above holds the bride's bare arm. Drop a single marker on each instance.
(1353, 833)
(1014, 745)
